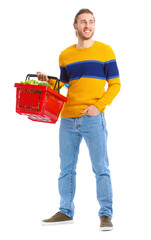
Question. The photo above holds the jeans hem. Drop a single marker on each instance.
(66, 212)
(105, 215)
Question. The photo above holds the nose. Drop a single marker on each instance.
(87, 24)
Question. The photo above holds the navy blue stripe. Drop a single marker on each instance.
(86, 61)
(63, 75)
(111, 70)
(89, 69)
(85, 68)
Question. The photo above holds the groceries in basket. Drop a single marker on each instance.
(38, 101)
(34, 82)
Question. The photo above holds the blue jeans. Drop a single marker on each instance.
(93, 130)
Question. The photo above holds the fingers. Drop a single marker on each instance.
(85, 110)
(42, 76)
(91, 110)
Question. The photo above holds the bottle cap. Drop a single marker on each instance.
(67, 85)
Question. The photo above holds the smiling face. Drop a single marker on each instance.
(85, 26)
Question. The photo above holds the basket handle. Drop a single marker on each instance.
(50, 77)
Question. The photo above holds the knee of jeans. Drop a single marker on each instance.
(101, 170)
(64, 172)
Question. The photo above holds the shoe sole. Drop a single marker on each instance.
(56, 223)
(106, 228)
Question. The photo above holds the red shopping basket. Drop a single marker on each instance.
(39, 103)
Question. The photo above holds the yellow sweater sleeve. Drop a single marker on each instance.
(52, 81)
(114, 84)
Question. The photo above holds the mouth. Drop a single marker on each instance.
(87, 30)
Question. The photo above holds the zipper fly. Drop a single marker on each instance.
(78, 122)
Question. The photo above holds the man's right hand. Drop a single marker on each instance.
(42, 76)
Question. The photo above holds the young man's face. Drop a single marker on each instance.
(85, 26)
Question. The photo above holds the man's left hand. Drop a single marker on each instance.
(91, 110)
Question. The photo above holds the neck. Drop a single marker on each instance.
(84, 43)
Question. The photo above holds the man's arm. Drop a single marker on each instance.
(114, 85)
(112, 78)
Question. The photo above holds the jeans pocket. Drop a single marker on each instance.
(93, 115)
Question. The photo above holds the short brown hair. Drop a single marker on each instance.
(83, 10)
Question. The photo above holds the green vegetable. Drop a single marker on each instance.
(45, 84)
(34, 82)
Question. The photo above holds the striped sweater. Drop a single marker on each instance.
(87, 71)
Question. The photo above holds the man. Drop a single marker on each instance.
(86, 66)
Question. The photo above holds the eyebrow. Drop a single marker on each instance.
(92, 20)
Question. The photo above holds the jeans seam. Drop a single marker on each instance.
(105, 143)
(71, 196)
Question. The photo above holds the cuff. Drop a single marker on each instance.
(100, 105)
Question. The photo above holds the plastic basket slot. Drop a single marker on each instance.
(39, 118)
(26, 90)
(51, 115)
(30, 108)
(29, 99)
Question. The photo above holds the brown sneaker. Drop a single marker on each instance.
(58, 218)
(106, 224)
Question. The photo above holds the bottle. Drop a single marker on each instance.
(64, 89)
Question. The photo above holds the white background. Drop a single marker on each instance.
(33, 33)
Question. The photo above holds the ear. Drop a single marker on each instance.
(75, 26)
